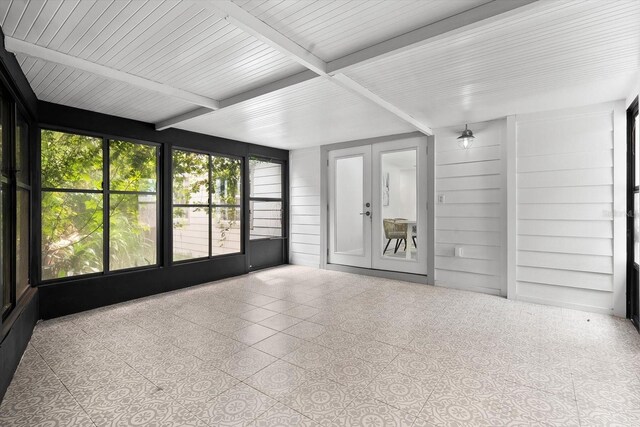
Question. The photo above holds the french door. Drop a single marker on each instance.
(633, 217)
(377, 198)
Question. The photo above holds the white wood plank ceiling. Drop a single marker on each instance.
(414, 63)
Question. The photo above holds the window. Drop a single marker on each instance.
(80, 213)
(265, 199)
(15, 200)
(133, 211)
(207, 213)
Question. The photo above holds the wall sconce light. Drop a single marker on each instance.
(466, 139)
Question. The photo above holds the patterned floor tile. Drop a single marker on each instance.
(401, 391)
(245, 363)
(280, 322)
(374, 351)
(610, 396)
(460, 411)
(279, 345)
(282, 416)
(319, 399)
(539, 407)
(310, 356)
(155, 361)
(280, 306)
(302, 311)
(200, 387)
(252, 334)
(258, 315)
(306, 330)
(278, 379)
(541, 378)
(369, 412)
(417, 365)
(350, 372)
(237, 406)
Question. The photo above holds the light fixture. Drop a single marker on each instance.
(466, 139)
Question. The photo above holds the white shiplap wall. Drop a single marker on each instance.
(304, 178)
(470, 209)
(567, 181)
(565, 203)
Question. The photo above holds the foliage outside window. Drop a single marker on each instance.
(265, 199)
(80, 212)
(206, 205)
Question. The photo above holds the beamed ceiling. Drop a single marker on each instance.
(299, 73)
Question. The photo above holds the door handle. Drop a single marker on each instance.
(367, 213)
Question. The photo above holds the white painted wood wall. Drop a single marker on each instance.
(531, 204)
(469, 209)
(304, 182)
(567, 208)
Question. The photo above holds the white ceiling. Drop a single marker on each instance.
(551, 54)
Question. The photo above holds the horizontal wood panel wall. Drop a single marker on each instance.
(304, 181)
(566, 242)
(469, 209)
(565, 195)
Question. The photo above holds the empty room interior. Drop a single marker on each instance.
(319, 213)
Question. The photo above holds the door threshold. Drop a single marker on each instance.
(385, 274)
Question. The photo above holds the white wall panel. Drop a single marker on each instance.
(565, 208)
(470, 209)
(304, 183)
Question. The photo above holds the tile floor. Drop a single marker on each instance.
(302, 347)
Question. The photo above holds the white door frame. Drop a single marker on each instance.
(324, 209)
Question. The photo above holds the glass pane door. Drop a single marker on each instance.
(400, 206)
(399, 210)
(350, 207)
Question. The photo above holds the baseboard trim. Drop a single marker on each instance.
(385, 274)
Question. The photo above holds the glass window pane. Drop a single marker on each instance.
(22, 149)
(71, 161)
(132, 230)
(399, 206)
(226, 181)
(349, 202)
(190, 233)
(190, 178)
(71, 234)
(22, 242)
(265, 179)
(266, 219)
(225, 230)
(133, 167)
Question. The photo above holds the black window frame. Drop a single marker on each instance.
(281, 199)
(105, 191)
(633, 187)
(209, 206)
(10, 110)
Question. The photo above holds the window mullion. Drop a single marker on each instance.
(105, 204)
(210, 209)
